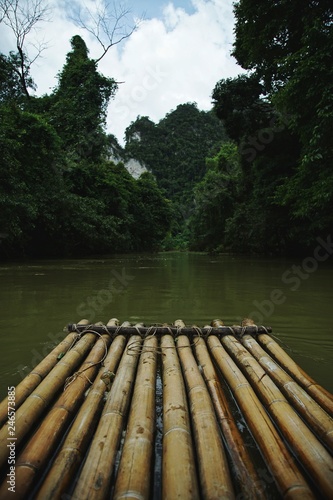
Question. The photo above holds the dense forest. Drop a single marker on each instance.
(59, 193)
(272, 184)
(175, 151)
(252, 175)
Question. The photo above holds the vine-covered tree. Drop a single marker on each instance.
(79, 104)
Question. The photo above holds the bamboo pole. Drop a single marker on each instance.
(135, 468)
(323, 397)
(31, 381)
(179, 480)
(213, 466)
(310, 452)
(71, 454)
(242, 465)
(317, 392)
(318, 420)
(95, 478)
(29, 412)
(47, 437)
(279, 460)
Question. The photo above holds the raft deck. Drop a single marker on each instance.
(167, 411)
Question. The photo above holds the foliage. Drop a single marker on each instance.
(10, 80)
(271, 37)
(79, 103)
(59, 194)
(289, 47)
(153, 214)
(215, 198)
(174, 150)
(237, 102)
(30, 187)
(280, 115)
(253, 175)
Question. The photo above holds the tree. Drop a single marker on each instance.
(79, 105)
(31, 189)
(238, 102)
(174, 150)
(270, 36)
(10, 83)
(289, 47)
(22, 18)
(106, 23)
(215, 198)
(152, 214)
(60, 195)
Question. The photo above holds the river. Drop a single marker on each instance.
(293, 296)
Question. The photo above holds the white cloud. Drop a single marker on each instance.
(173, 16)
(174, 60)
(166, 62)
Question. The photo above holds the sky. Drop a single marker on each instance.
(179, 51)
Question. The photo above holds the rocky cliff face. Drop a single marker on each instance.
(117, 154)
(135, 168)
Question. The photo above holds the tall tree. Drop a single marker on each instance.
(11, 88)
(280, 115)
(216, 196)
(273, 38)
(289, 45)
(79, 105)
(238, 102)
(22, 17)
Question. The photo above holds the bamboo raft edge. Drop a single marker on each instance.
(174, 330)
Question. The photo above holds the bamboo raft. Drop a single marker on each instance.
(171, 412)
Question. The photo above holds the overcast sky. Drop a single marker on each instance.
(178, 53)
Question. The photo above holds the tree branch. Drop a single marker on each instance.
(3, 10)
(108, 26)
(22, 18)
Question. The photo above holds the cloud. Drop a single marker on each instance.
(175, 59)
(172, 60)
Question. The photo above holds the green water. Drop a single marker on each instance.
(38, 298)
